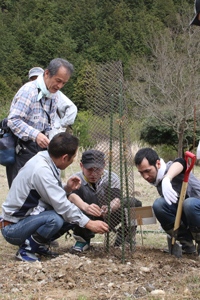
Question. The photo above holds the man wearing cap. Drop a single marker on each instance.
(196, 19)
(34, 73)
(66, 110)
(32, 112)
(92, 196)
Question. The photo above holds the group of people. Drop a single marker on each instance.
(39, 208)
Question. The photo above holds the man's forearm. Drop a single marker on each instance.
(78, 202)
(175, 169)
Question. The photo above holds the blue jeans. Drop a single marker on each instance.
(47, 224)
(166, 213)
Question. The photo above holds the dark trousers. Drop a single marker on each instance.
(28, 150)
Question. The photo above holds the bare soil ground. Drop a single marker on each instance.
(147, 273)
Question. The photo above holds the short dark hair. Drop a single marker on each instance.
(148, 153)
(63, 143)
(56, 63)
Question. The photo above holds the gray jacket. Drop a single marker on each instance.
(193, 188)
(38, 184)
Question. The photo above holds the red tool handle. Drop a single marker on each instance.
(189, 168)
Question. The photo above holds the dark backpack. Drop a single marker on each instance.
(7, 144)
(4, 127)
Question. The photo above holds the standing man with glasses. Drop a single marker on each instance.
(33, 111)
(66, 110)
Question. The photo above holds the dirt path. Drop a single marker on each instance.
(96, 275)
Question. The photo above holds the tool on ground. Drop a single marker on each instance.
(174, 247)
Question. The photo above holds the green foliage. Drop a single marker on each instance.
(79, 95)
(135, 128)
(166, 152)
(5, 90)
(165, 11)
(5, 108)
(6, 96)
(155, 133)
(82, 31)
(81, 129)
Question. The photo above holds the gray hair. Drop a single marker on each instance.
(56, 63)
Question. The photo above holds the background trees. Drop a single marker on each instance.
(152, 34)
(165, 84)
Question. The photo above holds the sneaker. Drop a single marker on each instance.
(25, 255)
(80, 247)
(54, 244)
(43, 250)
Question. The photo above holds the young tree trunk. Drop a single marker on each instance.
(180, 139)
(180, 146)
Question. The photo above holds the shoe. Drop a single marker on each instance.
(80, 247)
(43, 250)
(54, 244)
(186, 249)
(28, 249)
(25, 255)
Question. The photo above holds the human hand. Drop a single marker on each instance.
(104, 210)
(42, 140)
(93, 210)
(115, 204)
(169, 193)
(73, 183)
(97, 226)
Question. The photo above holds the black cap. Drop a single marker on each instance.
(93, 159)
(196, 21)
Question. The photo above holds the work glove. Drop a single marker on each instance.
(198, 151)
(169, 193)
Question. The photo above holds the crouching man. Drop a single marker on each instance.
(92, 198)
(36, 210)
(168, 178)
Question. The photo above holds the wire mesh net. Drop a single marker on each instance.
(109, 133)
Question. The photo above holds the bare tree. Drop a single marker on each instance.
(166, 84)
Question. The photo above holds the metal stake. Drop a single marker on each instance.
(121, 173)
(110, 169)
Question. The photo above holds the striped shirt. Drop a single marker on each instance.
(27, 116)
